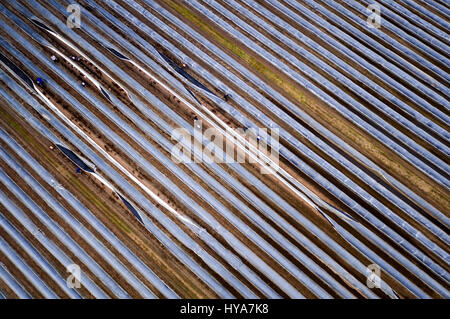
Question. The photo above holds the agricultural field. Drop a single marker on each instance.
(224, 149)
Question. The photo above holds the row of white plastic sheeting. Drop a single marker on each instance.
(144, 163)
(407, 244)
(72, 138)
(337, 75)
(188, 181)
(165, 126)
(405, 36)
(279, 113)
(125, 147)
(437, 214)
(147, 205)
(35, 255)
(49, 245)
(374, 50)
(12, 283)
(374, 184)
(148, 147)
(62, 236)
(95, 102)
(443, 36)
(355, 117)
(347, 67)
(26, 270)
(434, 4)
(281, 149)
(153, 20)
(354, 57)
(127, 112)
(92, 220)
